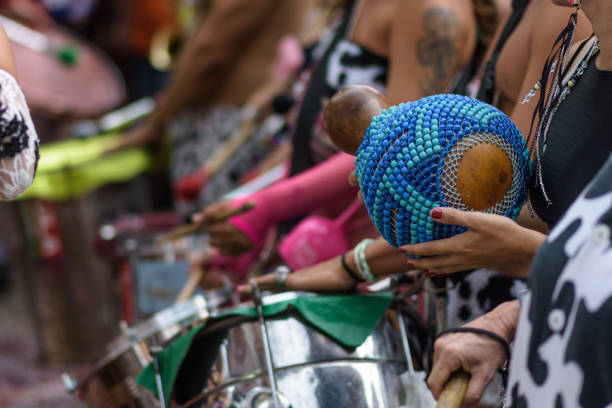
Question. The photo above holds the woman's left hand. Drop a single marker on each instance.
(492, 241)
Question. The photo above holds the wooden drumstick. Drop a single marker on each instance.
(196, 226)
(225, 152)
(454, 390)
(190, 286)
(348, 114)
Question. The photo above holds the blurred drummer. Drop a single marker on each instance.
(227, 59)
(18, 138)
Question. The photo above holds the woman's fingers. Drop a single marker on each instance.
(441, 372)
(478, 382)
(211, 213)
(452, 216)
(431, 248)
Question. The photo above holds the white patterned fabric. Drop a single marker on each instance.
(18, 140)
(562, 354)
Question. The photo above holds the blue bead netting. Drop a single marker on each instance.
(408, 160)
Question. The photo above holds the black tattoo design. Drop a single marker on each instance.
(436, 49)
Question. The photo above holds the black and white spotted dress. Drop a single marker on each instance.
(562, 353)
(18, 140)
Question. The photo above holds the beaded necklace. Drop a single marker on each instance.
(571, 78)
(570, 82)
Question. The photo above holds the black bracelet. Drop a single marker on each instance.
(348, 270)
(504, 369)
(474, 330)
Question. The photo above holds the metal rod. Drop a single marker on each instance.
(158, 381)
(264, 334)
(405, 344)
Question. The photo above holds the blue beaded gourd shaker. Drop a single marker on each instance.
(438, 151)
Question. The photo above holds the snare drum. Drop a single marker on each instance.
(311, 370)
(110, 381)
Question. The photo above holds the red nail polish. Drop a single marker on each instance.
(411, 266)
(402, 250)
(436, 213)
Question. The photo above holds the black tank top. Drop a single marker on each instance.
(342, 63)
(579, 142)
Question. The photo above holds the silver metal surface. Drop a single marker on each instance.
(158, 381)
(110, 380)
(266, 344)
(405, 344)
(311, 369)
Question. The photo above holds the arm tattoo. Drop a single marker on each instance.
(436, 49)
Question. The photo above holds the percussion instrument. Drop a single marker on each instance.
(239, 360)
(109, 381)
(439, 151)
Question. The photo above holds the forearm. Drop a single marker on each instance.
(328, 276)
(299, 195)
(526, 248)
(381, 257)
(503, 320)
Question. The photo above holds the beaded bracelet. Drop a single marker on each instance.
(360, 260)
(348, 270)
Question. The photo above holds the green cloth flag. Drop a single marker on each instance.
(71, 168)
(349, 319)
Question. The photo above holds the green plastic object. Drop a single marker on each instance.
(69, 169)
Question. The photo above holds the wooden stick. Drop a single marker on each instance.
(191, 285)
(225, 151)
(454, 390)
(196, 226)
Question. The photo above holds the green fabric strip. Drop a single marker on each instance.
(71, 168)
(349, 319)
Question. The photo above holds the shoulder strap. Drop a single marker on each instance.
(486, 92)
(311, 104)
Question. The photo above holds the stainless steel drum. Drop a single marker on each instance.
(310, 369)
(110, 380)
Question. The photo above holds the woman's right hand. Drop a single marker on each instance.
(227, 237)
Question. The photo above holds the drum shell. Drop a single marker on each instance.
(110, 381)
(112, 384)
(312, 370)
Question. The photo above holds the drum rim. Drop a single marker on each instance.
(132, 338)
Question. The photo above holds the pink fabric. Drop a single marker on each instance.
(323, 185)
(237, 266)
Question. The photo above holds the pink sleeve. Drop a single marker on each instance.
(325, 183)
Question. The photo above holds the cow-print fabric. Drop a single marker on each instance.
(562, 353)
